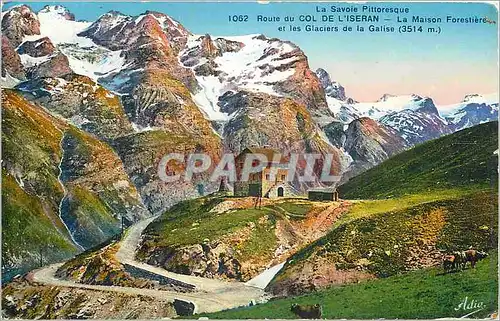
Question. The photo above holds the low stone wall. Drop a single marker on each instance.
(162, 280)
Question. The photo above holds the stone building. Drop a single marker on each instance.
(263, 184)
(323, 194)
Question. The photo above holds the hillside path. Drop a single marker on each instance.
(213, 295)
(126, 255)
(204, 302)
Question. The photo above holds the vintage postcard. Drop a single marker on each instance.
(249, 160)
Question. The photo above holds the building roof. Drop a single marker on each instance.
(322, 190)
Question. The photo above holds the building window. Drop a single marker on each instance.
(267, 177)
(283, 177)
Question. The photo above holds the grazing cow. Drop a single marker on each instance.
(307, 311)
(460, 260)
(448, 262)
(473, 256)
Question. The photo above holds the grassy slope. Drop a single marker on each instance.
(380, 225)
(420, 294)
(463, 159)
(27, 231)
(448, 224)
(191, 222)
(367, 208)
(31, 152)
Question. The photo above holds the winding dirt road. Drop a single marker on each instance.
(212, 295)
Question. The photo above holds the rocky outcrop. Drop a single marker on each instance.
(369, 143)
(11, 62)
(100, 267)
(37, 48)
(332, 88)
(314, 275)
(160, 101)
(209, 259)
(339, 104)
(183, 308)
(18, 22)
(209, 48)
(202, 57)
(417, 126)
(82, 102)
(305, 88)
(215, 48)
(56, 65)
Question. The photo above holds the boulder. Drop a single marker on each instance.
(183, 308)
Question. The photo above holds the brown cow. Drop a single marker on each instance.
(448, 262)
(307, 311)
(473, 256)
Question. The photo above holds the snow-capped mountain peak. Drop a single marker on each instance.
(22, 10)
(391, 103)
(114, 18)
(449, 110)
(471, 98)
(115, 30)
(481, 99)
(57, 23)
(332, 88)
(57, 12)
(253, 62)
(385, 97)
(113, 13)
(474, 109)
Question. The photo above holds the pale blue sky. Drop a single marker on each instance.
(460, 60)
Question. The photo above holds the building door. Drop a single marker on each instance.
(281, 191)
(254, 190)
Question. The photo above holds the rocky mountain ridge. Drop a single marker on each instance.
(416, 118)
(65, 190)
